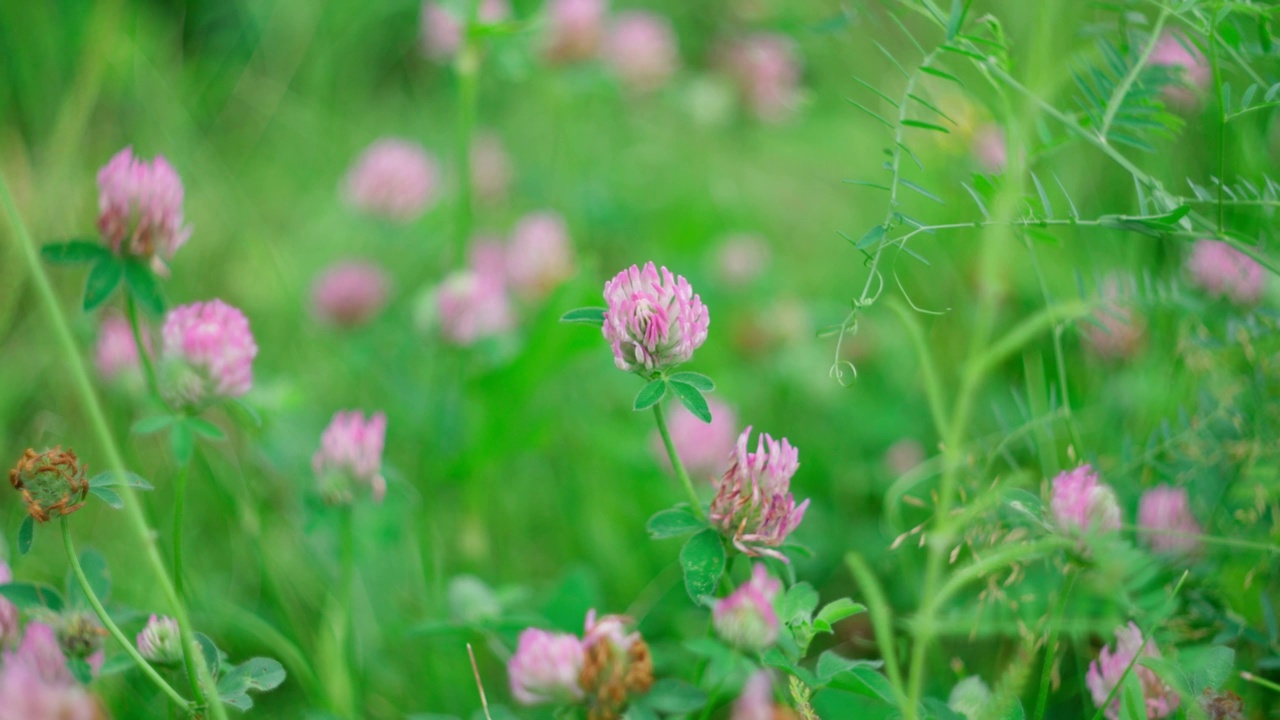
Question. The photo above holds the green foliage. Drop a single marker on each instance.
(702, 561)
(673, 522)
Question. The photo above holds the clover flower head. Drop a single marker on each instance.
(653, 321)
(1167, 510)
(393, 178)
(140, 208)
(351, 454)
(753, 505)
(208, 352)
(1107, 670)
(545, 667)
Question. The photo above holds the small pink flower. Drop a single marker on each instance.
(903, 456)
(35, 683)
(1176, 52)
(753, 503)
(10, 620)
(140, 208)
(441, 25)
(742, 258)
(350, 454)
(349, 293)
(611, 629)
(1105, 673)
(116, 354)
(473, 305)
(160, 640)
(1222, 271)
(705, 449)
(1080, 503)
(40, 652)
(574, 28)
(641, 49)
(653, 322)
(746, 619)
(395, 179)
(490, 167)
(756, 700)
(766, 69)
(539, 256)
(1116, 331)
(991, 148)
(1166, 509)
(545, 668)
(209, 351)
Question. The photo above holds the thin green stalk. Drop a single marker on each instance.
(148, 369)
(98, 420)
(660, 417)
(1050, 647)
(1250, 677)
(1122, 88)
(467, 67)
(881, 620)
(110, 624)
(347, 598)
(189, 649)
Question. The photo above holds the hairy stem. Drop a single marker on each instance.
(111, 626)
(98, 420)
(660, 417)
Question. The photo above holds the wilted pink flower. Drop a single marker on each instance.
(1105, 673)
(766, 69)
(653, 322)
(35, 683)
(116, 353)
(140, 208)
(545, 668)
(441, 25)
(539, 256)
(1115, 331)
(490, 167)
(574, 28)
(705, 448)
(641, 49)
(349, 293)
(1223, 271)
(756, 700)
(741, 258)
(991, 148)
(903, 456)
(160, 640)
(208, 351)
(1079, 503)
(616, 665)
(351, 453)
(1175, 51)
(746, 618)
(1164, 509)
(393, 178)
(753, 503)
(10, 628)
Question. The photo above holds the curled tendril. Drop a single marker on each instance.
(838, 365)
(910, 302)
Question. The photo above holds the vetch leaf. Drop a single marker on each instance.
(144, 287)
(588, 316)
(26, 535)
(873, 236)
(692, 399)
(702, 560)
(74, 252)
(103, 280)
(650, 395)
(697, 380)
(673, 522)
(675, 697)
(922, 125)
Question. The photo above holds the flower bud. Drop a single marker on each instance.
(80, 636)
(161, 641)
(1082, 504)
(350, 454)
(746, 619)
(545, 668)
(52, 483)
(970, 697)
(653, 322)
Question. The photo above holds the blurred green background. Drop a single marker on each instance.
(523, 464)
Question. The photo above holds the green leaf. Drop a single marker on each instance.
(96, 572)
(244, 413)
(144, 287)
(1132, 704)
(675, 697)
(26, 535)
(28, 596)
(74, 252)
(182, 442)
(873, 236)
(940, 73)
(103, 280)
(205, 428)
(588, 316)
(650, 395)
(798, 604)
(261, 673)
(111, 478)
(830, 665)
(107, 495)
(153, 424)
(773, 657)
(838, 610)
(692, 399)
(673, 522)
(212, 655)
(866, 682)
(1207, 667)
(1170, 672)
(922, 125)
(640, 711)
(80, 670)
(693, 379)
(702, 560)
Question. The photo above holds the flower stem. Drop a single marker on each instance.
(110, 624)
(148, 369)
(660, 417)
(347, 598)
(467, 67)
(98, 420)
(189, 648)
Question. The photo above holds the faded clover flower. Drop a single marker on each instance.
(1106, 672)
(53, 483)
(539, 256)
(617, 666)
(753, 505)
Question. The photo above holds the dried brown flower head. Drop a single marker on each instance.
(52, 483)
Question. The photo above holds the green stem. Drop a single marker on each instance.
(1051, 646)
(660, 417)
(467, 67)
(97, 418)
(881, 619)
(110, 624)
(189, 648)
(347, 598)
(148, 369)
